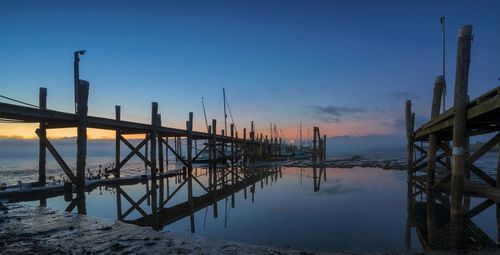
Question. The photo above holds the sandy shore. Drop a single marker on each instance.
(38, 230)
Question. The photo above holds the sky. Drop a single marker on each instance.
(345, 66)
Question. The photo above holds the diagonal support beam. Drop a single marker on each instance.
(134, 151)
(481, 174)
(137, 152)
(200, 152)
(485, 148)
(471, 166)
(173, 193)
(201, 184)
(175, 153)
(57, 157)
(443, 181)
(133, 203)
(479, 208)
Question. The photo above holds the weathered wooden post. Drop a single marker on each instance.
(236, 146)
(266, 151)
(146, 152)
(189, 126)
(42, 153)
(160, 149)
(152, 140)
(190, 142)
(409, 136)
(433, 139)
(214, 143)
(232, 144)
(279, 147)
(223, 145)
(276, 147)
(117, 142)
(244, 147)
(315, 150)
(460, 119)
(324, 147)
(81, 140)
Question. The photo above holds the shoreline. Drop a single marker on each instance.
(42, 230)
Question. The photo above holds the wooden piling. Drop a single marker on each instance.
(460, 119)
(117, 142)
(315, 150)
(214, 143)
(42, 152)
(409, 136)
(153, 137)
(81, 140)
(433, 139)
(189, 126)
(160, 149)
(245, 147)
(232, 144)
(190, 142)
(324, 147)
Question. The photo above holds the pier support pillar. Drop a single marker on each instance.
(214, 143)
(232, 144)
(152, 140)
(410, 122)
(315, 150)
(460, 119)
(42, 153)
(117, 142)
(324, 147)
(433, 139)
(81, 140)
(244, 147)
(160, 149)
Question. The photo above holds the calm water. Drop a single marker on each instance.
(359, 209)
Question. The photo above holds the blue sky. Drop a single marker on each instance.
(346, 66)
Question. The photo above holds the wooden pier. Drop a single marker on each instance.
(218, 144)
(440, 164)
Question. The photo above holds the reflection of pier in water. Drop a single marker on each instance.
(216, 185)
(437, 231)
(156, 207)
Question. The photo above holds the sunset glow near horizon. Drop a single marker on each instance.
(347, 68)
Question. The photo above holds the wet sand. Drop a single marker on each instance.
(40, 230)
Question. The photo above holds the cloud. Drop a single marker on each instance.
(332, 114)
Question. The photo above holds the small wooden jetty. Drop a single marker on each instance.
(444, 142)
(220, 145)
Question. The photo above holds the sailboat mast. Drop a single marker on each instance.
(204, 113)
(300, 136)
(225, 114)
(271, 131)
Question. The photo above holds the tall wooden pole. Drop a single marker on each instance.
(314, 146)
(244, 146)
(433, 139)
(409, 137)
(460, 119)
(324, 147)
(81, 140)
(42, 156)
(232, 144)
(189, 125)
(160, 149)
(214, 143)
(117, 143)
(152, 140)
